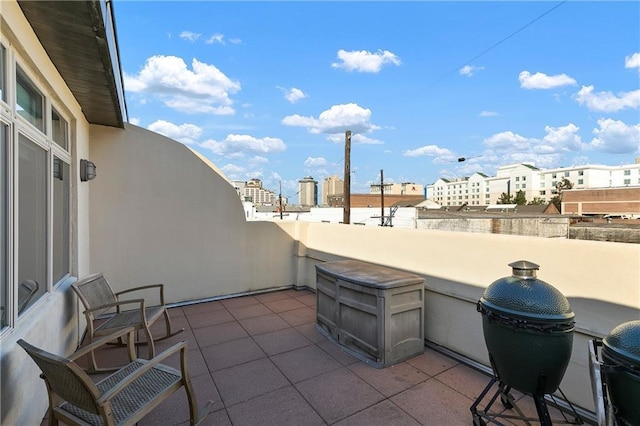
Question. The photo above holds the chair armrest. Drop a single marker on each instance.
(144, 287)
(116, 305)
(148, 365)
(106, 339)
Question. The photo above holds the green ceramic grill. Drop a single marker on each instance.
(621, 370)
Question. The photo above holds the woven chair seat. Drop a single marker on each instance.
(98, 298)
(134, 397)
(129, 319)
(123, 398)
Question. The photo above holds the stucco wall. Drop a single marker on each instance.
(601, 280)
(162, 214)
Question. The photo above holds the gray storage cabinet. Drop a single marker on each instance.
(374, 311)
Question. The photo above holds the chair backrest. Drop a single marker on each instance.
(65, 378)
(94, 291)
(26, 291)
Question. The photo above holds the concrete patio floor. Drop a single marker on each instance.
(262, 361)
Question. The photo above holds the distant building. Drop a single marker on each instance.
(372, 200)
(480, 189)
(254, 192)
(331, 185)
(624, 202)
(308, 192)
(405, 188)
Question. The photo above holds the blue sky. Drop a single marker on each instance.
(267, 89)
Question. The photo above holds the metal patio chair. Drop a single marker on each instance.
(124, 397)
(98, 299)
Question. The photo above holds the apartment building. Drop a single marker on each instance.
(331, 185)
(254, 192)
(480, 189)
(308, 192)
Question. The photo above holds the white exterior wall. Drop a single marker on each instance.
(162, 214)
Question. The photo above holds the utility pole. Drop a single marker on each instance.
(346, 217)
(381, 198)
(280, 200)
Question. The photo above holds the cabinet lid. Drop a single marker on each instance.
(368, 274)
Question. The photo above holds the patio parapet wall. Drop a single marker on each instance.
(601, 280)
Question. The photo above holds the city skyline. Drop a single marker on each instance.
(266, 90)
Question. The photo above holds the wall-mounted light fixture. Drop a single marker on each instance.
(87, 170)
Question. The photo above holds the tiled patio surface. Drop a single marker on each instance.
(262, 361)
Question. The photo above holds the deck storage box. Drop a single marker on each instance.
(375, 312)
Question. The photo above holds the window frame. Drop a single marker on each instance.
(16, 71)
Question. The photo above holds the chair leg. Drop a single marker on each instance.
(150, 344)
(168, 332)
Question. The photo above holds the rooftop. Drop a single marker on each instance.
(262, 361)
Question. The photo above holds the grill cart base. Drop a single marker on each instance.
(481, 417)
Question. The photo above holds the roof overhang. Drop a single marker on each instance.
(80, 39)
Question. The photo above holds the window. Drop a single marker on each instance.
(517, 178)
(627, 172)
(35, 191)
(61, 227)
(566, 174)
(543, 192)
(541, 184)
(524, 178)
(29, 101)
(3, 224)
(553, 176)
(59, 129)
(32, 215)
(580, 172)
(627, 181)
(524, 185)
(580, 181)
(3, 91)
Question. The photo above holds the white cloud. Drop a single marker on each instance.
(507, 141)
(203, 89)
(542, 81)
(632, 61)
(616, 137)
(216, 38)
(315, 162)
(134, 120)
(237, 145)
(293, 94)
(355, 139)
(190, 36)
(365, 61)
(488, 114)
(258, 160)
(469, 70)
(185, 133)
(607, 101)
(564, 138)
(442, 155)
(232, 170)
(337, 119)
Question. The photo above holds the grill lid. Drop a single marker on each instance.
(624, 340)
(523, 295)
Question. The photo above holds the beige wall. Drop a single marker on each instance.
(161, 214)
(601, 280)
(51, 322)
